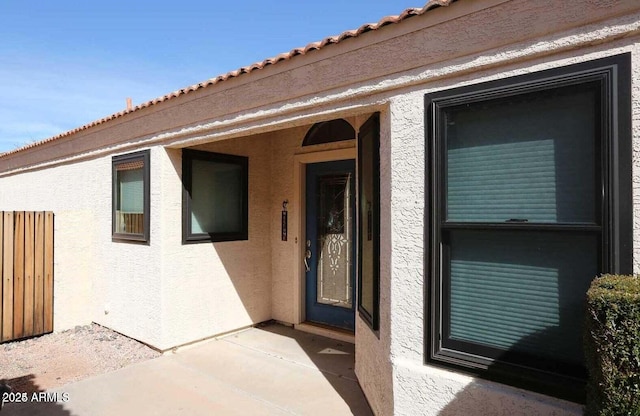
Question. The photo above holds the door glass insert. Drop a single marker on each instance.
(334, 241)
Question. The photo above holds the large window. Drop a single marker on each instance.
(369, 220)
(530, 200)
(130, 212)
(215, 201)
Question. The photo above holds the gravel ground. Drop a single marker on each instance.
(56, 359)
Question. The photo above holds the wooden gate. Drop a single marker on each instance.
(26, 267)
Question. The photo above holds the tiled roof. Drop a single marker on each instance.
(431, 4)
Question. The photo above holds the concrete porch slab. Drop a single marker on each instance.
(273, 370)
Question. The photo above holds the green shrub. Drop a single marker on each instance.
(612, 346)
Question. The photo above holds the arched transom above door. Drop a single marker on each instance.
(328, 132)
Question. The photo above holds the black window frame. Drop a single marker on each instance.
(144, 156)
(188, 156)
(616, 241)
(370, 127)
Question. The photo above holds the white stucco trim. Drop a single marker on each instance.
(299, 164)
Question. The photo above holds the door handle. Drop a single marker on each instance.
(307, 255)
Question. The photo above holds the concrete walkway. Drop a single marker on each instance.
(273, 370)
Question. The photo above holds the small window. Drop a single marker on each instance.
(369, 221)
(215, 198)
(130, 216)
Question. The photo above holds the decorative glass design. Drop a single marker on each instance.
(334, 241)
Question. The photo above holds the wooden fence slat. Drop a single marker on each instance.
(38, 302)
(7, 277)
(29, 253)
(18, 275)
(26, 274)
(48, 273)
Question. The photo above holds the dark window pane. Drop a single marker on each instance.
(527, 157)
(369, 223)
(367, 204)
(216, 197)
(521, 291)
(329, 132)
(131, 185)
(129, 197)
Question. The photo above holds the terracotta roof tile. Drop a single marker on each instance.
(387, 20)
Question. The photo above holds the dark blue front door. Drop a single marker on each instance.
(330, 231)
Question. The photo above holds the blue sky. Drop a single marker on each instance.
(66, 63)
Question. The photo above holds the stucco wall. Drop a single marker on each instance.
(285, 145)
(429, 390)
(374, 346)
(212, 288)
(95, 279)
(72, 213)
(164, 293)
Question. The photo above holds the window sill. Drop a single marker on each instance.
(129, 238)
(563, 387)
(215, 238)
